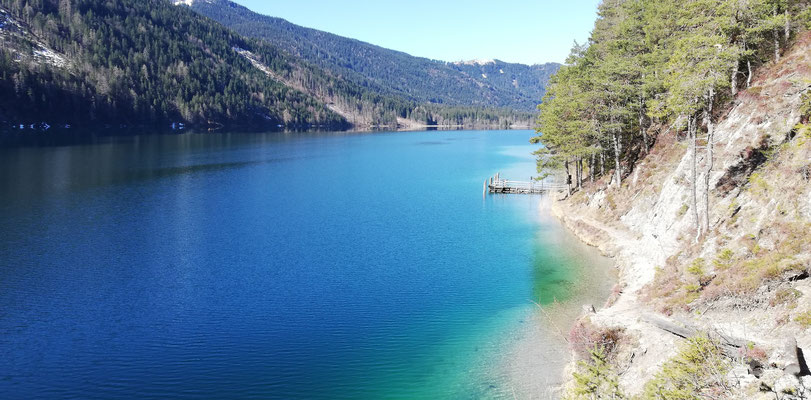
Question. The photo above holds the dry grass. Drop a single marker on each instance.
(697, 372)
(745, 262)
(585, 337)
(754, 353)
(616, 292)
(786, 297)
(683, 286)
(804, 319)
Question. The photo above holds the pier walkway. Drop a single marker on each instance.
(497, 185)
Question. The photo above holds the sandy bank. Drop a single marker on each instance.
(537, 354)
(635, 258)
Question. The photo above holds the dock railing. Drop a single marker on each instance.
(495, 184)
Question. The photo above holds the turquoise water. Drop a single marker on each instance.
(270, 266)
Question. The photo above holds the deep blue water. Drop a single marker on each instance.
(267, 265)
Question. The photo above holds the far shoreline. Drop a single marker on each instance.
(86, 135)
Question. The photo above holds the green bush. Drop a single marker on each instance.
(805, 106)
(697, 267)
(596, 379)
(803, 133)
(758, 184)
(786, 296)
(804, 319)
(724, 259)
(697, 371)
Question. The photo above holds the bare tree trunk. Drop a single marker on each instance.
(568, 178)
(602, 162)
(776, 46)
(618, 168)
(709, 160)
(691, 133)
(579, 173)
(642, 125)
(644, 134)
(776, 40)
(591, 168)
(582, 171)
(749, 75)
(734, 79)
(787, 27)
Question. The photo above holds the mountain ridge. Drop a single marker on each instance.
(390, 71)
(138, 62)
(150, 62)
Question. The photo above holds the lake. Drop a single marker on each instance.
(279, 265)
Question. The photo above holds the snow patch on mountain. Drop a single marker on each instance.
(191, 2)
(476, 62)
(49, 56)
(16, 36)
(252, 58)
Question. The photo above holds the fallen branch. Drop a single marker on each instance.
(731, 345)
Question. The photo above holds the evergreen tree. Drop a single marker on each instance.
(674, 62)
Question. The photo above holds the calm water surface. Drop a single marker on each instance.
(269, 265)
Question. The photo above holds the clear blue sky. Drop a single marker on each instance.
(525, 31)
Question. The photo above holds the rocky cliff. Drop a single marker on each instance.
(745, 283)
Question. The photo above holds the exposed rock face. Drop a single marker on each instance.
(16, 37)
(760, 200)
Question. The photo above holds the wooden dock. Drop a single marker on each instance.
(497, 185)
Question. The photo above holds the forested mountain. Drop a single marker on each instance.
(134, 62)
(138, 61)
(489, 83)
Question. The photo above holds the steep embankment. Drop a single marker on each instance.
(746, 280)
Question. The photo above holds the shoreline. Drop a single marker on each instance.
(537, 360)
(635, 258)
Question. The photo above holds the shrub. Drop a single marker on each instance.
(723, 260)
(803, 133)
(596, 379)
(616, 291)
(785, 296)
(692, 288)
(697, 371)
(585, 337)
(682, 210)
(681, 286)
(805, 106)
(754, 353)
(754, 91)
(758, 184)
(697, 267)
(667, 286)
(804, 319)
(609, 199)
(805, 18)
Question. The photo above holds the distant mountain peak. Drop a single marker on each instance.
(474, 83)
(478, 61)
(191, 2)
